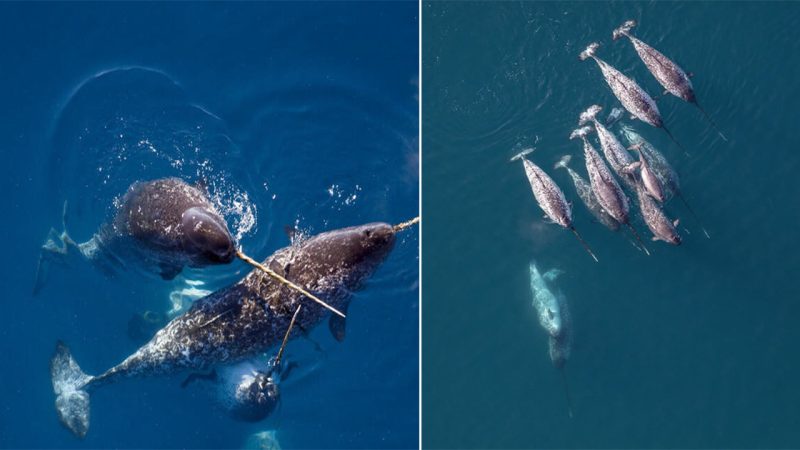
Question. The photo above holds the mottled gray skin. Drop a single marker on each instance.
(253, 314)
(548, 195)
(605, 187)
(244, 319)
(160, 227)
(589, 199)
(631, 95)
(662, 228)
(616, 155)
(668, 74)
(659, 165)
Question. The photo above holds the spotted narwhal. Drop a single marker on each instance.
(661, 168)
(550, 197)
(237, 322)
(670, 75)
(605, 187)
(649, 180)
(635, 99)
(586, 194)
(616, 155)
(662, 228)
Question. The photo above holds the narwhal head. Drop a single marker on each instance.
(206, 238)
(347, 255)
(671, 235)
(256, 396)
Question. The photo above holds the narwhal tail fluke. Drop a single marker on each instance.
(623, 30)
(69, 383)
(522, 154)
(55, 250)
(589, 51)
(711, 121)
(563, 163)
(669, 133)
(585, 245)
(691, 211)
(590, 114)
(566, 390)
(638, 239)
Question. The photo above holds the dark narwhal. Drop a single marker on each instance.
(633, 98)
(555, 318)
(668, 74)
(240, 321)
(550, 197)
(160, 226)
(605, 187)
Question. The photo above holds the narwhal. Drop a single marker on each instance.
(239, 321)
(661, 168)
(605, 187)
(633, 98)
(670, 75)
(662, 228)
(160, 227)
(586, 194)
(649, 180)
(555, 319)
(616, 155)
(253, 394)
(550, 197)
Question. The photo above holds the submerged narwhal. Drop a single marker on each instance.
(239, 321)
(555, 319)
(586, 194)
(633, 98)
(669, 75)
(160, 226)
(608, 192)
(550, 197)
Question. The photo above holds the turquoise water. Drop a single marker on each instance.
(293, 114)
(694, 346)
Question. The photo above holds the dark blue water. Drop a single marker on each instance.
(692, 347)
(293, 114)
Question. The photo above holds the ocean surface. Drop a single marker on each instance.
(692, 347)
(293, 114)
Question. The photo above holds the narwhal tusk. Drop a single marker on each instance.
(406, 224)
(636, 235)
(283, 280)
(286, 336)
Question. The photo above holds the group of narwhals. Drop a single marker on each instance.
(650, 177)
(164, 225)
